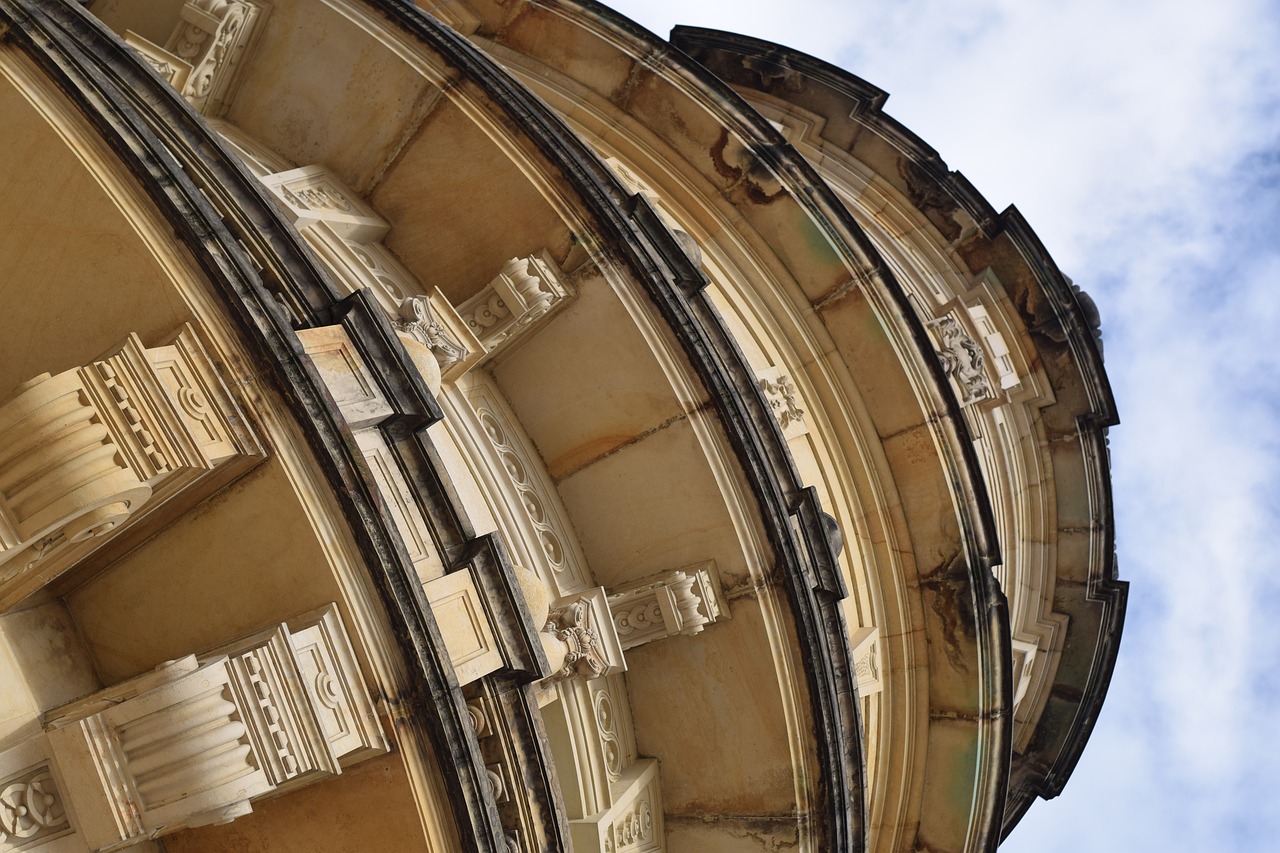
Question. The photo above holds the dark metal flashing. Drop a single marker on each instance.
(1045, 767)
(270, 283)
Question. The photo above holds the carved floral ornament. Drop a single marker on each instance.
(784, 399)
(584, 656)
(417, 320)
(781, 394)
(962, 359)
(31, 810)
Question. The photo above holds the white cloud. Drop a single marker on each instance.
(1142, 141)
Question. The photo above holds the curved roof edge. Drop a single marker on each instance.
(1072, 320)
(676, 285)
(776, 66)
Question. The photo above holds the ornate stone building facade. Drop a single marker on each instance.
(491, 427)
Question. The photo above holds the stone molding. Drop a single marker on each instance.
(530, 510)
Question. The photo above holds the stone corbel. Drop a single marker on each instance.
(680, 602)
(195, 741)
(213, 37)
(524, 290)
(85, 451)
(347, 234)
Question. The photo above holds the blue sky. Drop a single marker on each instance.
(1142, 142)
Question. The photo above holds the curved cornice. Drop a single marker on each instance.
(1064, 324)
(986, 609)
(634, 234)
(778, 69)
(221, 214)
(258, 265)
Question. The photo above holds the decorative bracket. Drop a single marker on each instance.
(962, 359)
(194, 741)
(524, 290)
(203, 58)
(83, 452)
(680, 602)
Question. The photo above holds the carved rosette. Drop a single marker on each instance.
(31, 810)
(633, 823)
(634, 829)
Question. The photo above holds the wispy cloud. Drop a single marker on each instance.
(1142, 141)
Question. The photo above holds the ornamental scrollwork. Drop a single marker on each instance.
(962, 359)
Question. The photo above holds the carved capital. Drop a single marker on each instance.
(584, 657)
(581, 641)
(416, 319)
